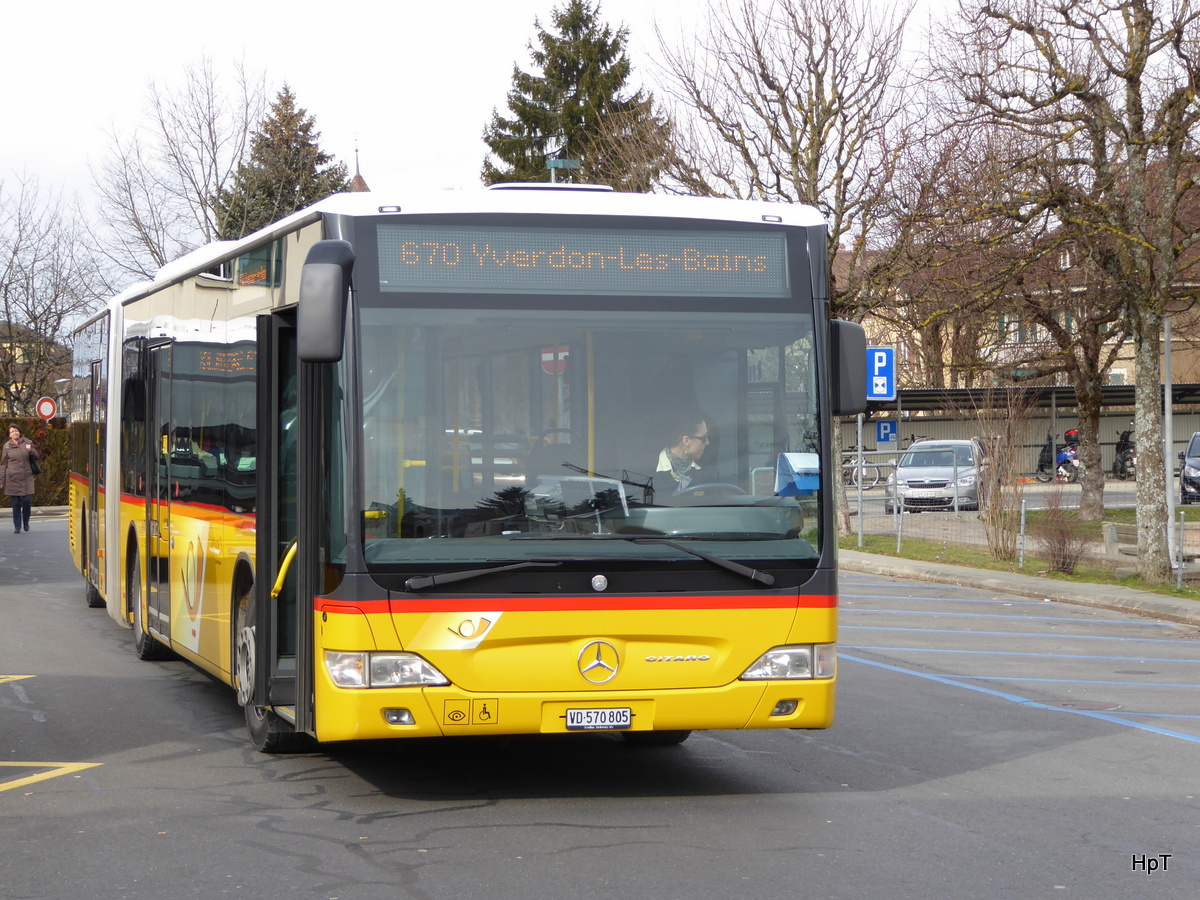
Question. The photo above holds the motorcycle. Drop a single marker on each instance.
(1125, 460)
(1067, 465)
(1045, 464)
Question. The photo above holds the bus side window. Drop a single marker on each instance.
(133, 434)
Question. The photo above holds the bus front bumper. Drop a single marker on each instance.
(343, 715)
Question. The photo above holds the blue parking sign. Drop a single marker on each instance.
(885, 432)
(881, 373)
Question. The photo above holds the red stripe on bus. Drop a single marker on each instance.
(135, 500)
(577, 604)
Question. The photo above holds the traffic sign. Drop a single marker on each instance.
(46, 408)
(554, 359)
(885, 432)
(881, 373)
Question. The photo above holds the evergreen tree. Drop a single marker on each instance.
(569, 110)
(286, 171)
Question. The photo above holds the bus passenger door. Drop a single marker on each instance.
(280, 650)
(158, 494)
(95, 469)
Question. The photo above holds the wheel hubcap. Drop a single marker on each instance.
(245, 666)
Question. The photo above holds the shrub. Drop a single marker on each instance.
(1062, 537)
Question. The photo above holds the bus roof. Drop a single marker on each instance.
(583, 200)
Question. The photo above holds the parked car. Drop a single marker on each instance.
(1189, 471)
(936, 475)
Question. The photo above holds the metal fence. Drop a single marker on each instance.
(870, 515)
(1035, 428)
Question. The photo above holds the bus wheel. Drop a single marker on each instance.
(269, 733)
(144, 646)
(243, 647)
(91, 592)
(655, 738)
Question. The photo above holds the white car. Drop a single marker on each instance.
(935, 475)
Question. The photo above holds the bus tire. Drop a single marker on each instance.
(655, 738)
(144, 646)
(269, 732)
(91, 592)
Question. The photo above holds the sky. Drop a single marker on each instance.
(411, 83)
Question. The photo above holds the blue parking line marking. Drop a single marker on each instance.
(989, 599)
(1077, 681)
(1147, 715)
(973, 615)
(1138, 659)
(921, 586)
(1016, 634)
(1025, 701)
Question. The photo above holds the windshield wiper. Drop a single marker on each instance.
(763, 578)
(420, 582)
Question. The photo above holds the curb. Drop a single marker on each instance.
(1099, 596)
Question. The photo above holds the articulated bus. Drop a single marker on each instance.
(527, 460)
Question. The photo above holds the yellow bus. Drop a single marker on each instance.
(528, 460)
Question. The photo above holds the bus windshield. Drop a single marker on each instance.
(485, 430)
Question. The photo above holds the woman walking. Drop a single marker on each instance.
(16, 475)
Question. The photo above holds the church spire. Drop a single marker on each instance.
(357, 184)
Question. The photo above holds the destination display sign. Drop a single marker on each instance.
(505, 260)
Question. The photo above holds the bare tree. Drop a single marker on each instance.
(158, 186)
(798, 101)
(47, 287)
(1002, 422)
(632, 150)
(1102, 94)
(999, 294)
(1074, 325)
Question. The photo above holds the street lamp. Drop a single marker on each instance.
(555, 164)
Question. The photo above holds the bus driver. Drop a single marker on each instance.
(685, 445)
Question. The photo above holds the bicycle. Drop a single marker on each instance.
(856, 470)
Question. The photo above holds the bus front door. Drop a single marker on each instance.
(282, 649)
(158, 496)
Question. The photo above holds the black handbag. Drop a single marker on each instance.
(34, 466)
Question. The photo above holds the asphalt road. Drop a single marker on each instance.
(987, 745)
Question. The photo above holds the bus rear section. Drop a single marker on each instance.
(87, 495)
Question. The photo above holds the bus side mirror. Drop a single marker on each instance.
(848, 368)
(324, 293)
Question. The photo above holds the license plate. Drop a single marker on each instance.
(923, 495)
(606, 719)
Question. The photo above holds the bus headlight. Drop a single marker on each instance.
(348, 670)
(403, 670)
(379, 670)
(792, 663)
